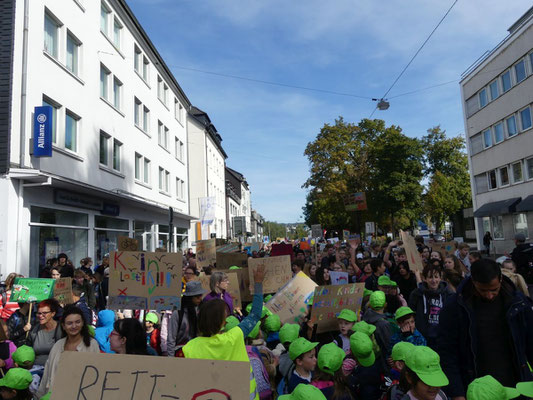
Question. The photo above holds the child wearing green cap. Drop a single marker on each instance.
(15, 384)
(375, 315)
(303, 354)
(287, 334)
(271, 327)
(329, 378)
(399, 354)
(405, 318)
(346, 320)
(423, 375)
(365, 378)
(24, 357)
(151, 327)
(488, 388)
(304, 392)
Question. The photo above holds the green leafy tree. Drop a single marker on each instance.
(274, 230)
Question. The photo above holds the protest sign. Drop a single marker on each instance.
(290, 302)
(143, 280)
(89, 375)
(228, 248)
(31, 289)
(328, 301)
(244, 282)
(226, 260)
(316, 231)
(345, 234)
(413, 256)
(305, 246)
(233, 287)
(206, 253)
(444, 248)
(339, 277)
(277, 272)
(63, 290)
(125, 243)
(281, 249)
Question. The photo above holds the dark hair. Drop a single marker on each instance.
(375, 263)
(439, 263)
(62, 255)
(476, 255)
(431, 269)
(422, 248)
(211, 317)
(133, 331)
(393, 303)
(77, 289)
(340, 383)
(52, 304)
(453, 277)
(22, 394)
(400, 252)
(485, 270)
(457, 265)
(408, 379)
(74, 310)
(55, 268)
(404, 265)
(419, 239)
(299, 263)
(187, 304)
(319, 276)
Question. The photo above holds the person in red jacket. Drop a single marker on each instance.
(153, 336)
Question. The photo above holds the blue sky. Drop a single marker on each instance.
(349, 46)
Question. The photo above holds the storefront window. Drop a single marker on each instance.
(181, 239)
(497, 227)
(486, 225)
(520, 224)
(143, 233)
(162, 238)
(107, 231)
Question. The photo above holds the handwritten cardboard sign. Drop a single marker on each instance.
(244, 282)
(126, 243)
(89, 376)
(339, 277)
(233, 287)
(277, 272)
(206, 253)
(444, 248)
(63, 290)
(290, 302)
(226, 260)
(328, 301)
(281, 249)
(413, 256)
(144, 280)
(31, 289)
(228, 248)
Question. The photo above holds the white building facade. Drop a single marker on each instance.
(119, 159)
(497, 95)
(238, 206)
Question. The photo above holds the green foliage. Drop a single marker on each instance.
(292, 231)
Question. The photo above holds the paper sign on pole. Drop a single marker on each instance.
(370, 228)
(316, 231)
(206, 253)
(143, 280)
(282, 249)
(444, 248)
(290, 302)
(339, 277)
(328, 301)
(32, 289)
(63, 290)
(226, 260)
(233, 287)
(89, 375)
(413, 256)
(125, 243)
(277, 272)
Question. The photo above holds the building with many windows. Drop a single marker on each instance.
(119, 136)
(238, 206)
(497, 94)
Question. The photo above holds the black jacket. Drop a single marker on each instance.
(457, 343)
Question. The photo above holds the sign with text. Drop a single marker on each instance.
(370, 228)
(413, 256)
(63, 291)
(444, 248)
(290, 302)
(244, 282)
(206, 253)
(277, 272)
(226, 260)
(89, 376)
(42, 131)
(345, 234)
(144, 280)
(125, 243)
(355, 202)
(31, 289)
(233, 287)
(339, 277)
(228, 248)
(316, 231)
(328, 301)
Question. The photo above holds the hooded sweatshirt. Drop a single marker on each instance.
(383, 330)
(106, 319)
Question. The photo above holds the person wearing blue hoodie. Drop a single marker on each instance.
(104, 327)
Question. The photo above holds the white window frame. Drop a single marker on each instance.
(105, 8)
(117, 23)
(104, 91)
(117, 148)
(507, 126)
(515, 224)
(107, 138)
(75, 68)
(117, 84)
(522, 129)
(58, 25)
(146, 120)
(497, 90)
(495, 180)
(164, 180)
(502, 132)
(137, 112)
(56, 109)
(499, 218)
(138, 167)
(147, 177)
(489, 130)
(525, 70)
(510, 81)
(484, 90)
(77, 119)
(519, 162)
(504, 168)
(526, 169)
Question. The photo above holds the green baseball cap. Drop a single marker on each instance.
(330, 358)
(300, 346)
(152, 317)
(231, 322)
(362, 349)
(402, 312)
(401, 350)
(234, 267)
(253, 334)
(365, 327)
(289, 333)
(267, 298)
(393, 283)
(367, 292)
(304, 392)
(525, 388)
(426, 364)
(265, 312)
(272, 323)
(377, 300)
(488, 388)
(24, 355)
(248, 308)
(46, 396)
(16, 378)
(347, 315)
(384, 280)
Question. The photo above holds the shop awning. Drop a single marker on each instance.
(526, 204)
(497, 208)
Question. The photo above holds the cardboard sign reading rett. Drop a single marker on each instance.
(31, 289)
(233, 288)
(63, 290)
(226, 260)
(206, 253)
(290, 303)
(413, 256)
(89, 376)
(126, 243)
(277, 272)
(328, 301)
(143, 280)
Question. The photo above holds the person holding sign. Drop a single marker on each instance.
(44, 335)
(219, 284)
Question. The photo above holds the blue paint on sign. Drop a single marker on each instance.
(42, 131)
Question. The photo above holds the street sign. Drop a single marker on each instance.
(370, 227)
(355, 202)
(316, 231)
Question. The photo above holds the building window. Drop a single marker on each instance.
(51, 32)
(493, 183)
(506, 81)
(73, 46)
(104, 148)
(105, 12)
(520, 71)
(55, 107)
(117, 33)
(165, 94)
(472, 105)
(146, 171)
(487, 138)
(529, 168)
(137, 59)
(497, 227)
(117, 90)
(137, 112)
(520, 224)
(162, 135)
(517, 172)
(146, 119)
(71, 131)
(482, 98)
(498, 132)
(504, 176)
(494, 92)
(178, 111)
(164, 177)
(104, 81)
(525, 118)
(146, 69)
(511, 126)
(178, 192)
(159, 88)
(117, 150)
(476, 145)
(138, 166)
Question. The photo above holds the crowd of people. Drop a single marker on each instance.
(461, 328)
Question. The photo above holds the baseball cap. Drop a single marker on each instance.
(330, 358)
(24, 354)
(384, 280)
(272, 323)
(267, 298)
(231, 322)
(367, 292)
(377, 300)
(362, 349)
(426, 364)
(300, 346)
(304, 392)
(393, 283)
(289, 333)
(17, 378)
(253, 334)
(525, 388)
(364, 327)
(152, 317)
(46, 396)
(359, 256)
(402, 312)
(347, 315)
(401, 350)
(234, 267)
(488, 388)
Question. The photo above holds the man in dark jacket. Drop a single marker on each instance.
(486, 328)
(522, 255)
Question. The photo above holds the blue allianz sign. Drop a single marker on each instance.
(42, 131)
